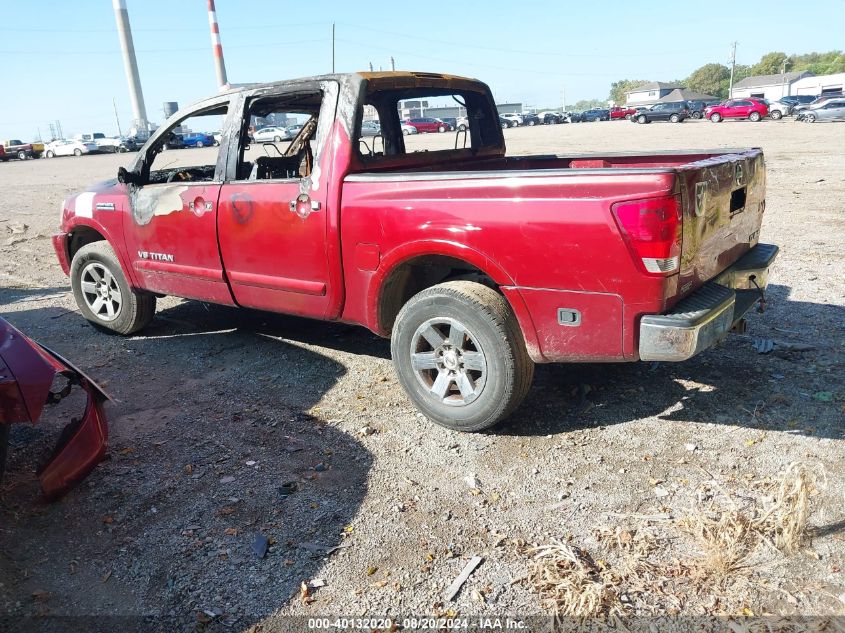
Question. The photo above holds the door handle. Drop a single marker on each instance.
(303, 205)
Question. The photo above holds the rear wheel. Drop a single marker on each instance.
(460, 356)
(696, 115)
(754, 116)
(277, 139)
(776, 115)
(102, 293)
(441, 128)
(531, 122)
(809, 118)
(49, 153)
(675, 118)
(77, 152)
(716, 117)
(642, 119)
(462, 127)
(405, 132)
(200, 144)
(21, 155)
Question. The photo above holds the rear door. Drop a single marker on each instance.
(274, 219)
(172, 235)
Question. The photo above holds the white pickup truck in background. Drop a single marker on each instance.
(107, 144)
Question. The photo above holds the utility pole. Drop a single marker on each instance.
(783, 79)
(116, 118)
(392, 63)
(733, 66)
(563, 99)
(130, 65)
(332, 46)
(217, 47)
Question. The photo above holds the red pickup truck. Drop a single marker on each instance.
(475, 263)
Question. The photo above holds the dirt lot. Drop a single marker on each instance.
(217, 411)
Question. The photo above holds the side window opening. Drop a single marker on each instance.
(174, 160)
(407, 121)
(279, 137)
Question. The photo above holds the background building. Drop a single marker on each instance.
(820, 85)
(649, 93)
(771, 87)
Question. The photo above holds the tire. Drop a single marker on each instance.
(675, 118)
(531, 123)
(754, 116)
(776, 115)
(462, 128)
(642, 119)
(406, 132)
(696, 115)
(488, 327)
(277, 139)
(716, 117)
(77, 152)
(21, 155)
(134, 310)
(809, 117)
(200, 144)
(49, 153)
(441, 129)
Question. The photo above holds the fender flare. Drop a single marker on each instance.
(446, 248)
(90, 223)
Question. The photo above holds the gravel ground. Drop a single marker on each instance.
(231, 424)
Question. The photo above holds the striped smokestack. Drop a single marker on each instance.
(219, 65)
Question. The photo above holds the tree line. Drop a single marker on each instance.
(714, 79)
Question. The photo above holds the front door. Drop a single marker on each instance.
(171, 230)
(273, 216)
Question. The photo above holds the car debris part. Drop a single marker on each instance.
(28, 383)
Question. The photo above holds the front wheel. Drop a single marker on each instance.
(405, 132)
(696, 115)
(200, 144)
(754, 116)
(642, 119)
(49, 153)
(716, 117)
(102, 293)
(531, 123)
(777, 115)
(460, 356)
(675, 118)
(77, 152)
(21, 155)
(809, 118)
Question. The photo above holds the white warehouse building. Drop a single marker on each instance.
(821, 85)
(773, 87)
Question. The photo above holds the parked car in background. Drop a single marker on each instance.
(174, 141)
(218, 136)
(531, 120)
(674, 112)
(105, 144)
(779, 109)
(574, 117)
(829, 110)
(429, 124)
(462, 123)
(751, 109)
(514, 117)
(3, 156)
(198, 139)
(553, 118)
(596, 114)
(697, 107)
(451, 121)
(622, 113)
(271, 134)
(294, 129)
(72, 147)
(407, 130)
(370, 128)
(795, 100)
(506, 123)
(16, 148)
(818, 100)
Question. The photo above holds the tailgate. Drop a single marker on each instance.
(723, 200)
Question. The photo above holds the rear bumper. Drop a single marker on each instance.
(706, 316)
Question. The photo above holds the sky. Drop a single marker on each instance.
(61, 60)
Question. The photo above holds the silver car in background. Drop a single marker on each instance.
(830, 110)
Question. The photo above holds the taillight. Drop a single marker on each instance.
(652, 229)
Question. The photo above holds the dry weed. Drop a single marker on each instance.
(646, 575)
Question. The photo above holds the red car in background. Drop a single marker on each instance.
(622, 113)
(751, 109)
(429, 124)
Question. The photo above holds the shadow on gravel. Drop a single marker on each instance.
(9, 296)
(192, 317)
(785, 390)
(212, 461)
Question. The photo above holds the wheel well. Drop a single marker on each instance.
(420, 273)
(80, 237)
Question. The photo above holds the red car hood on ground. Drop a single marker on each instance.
(28, 373)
